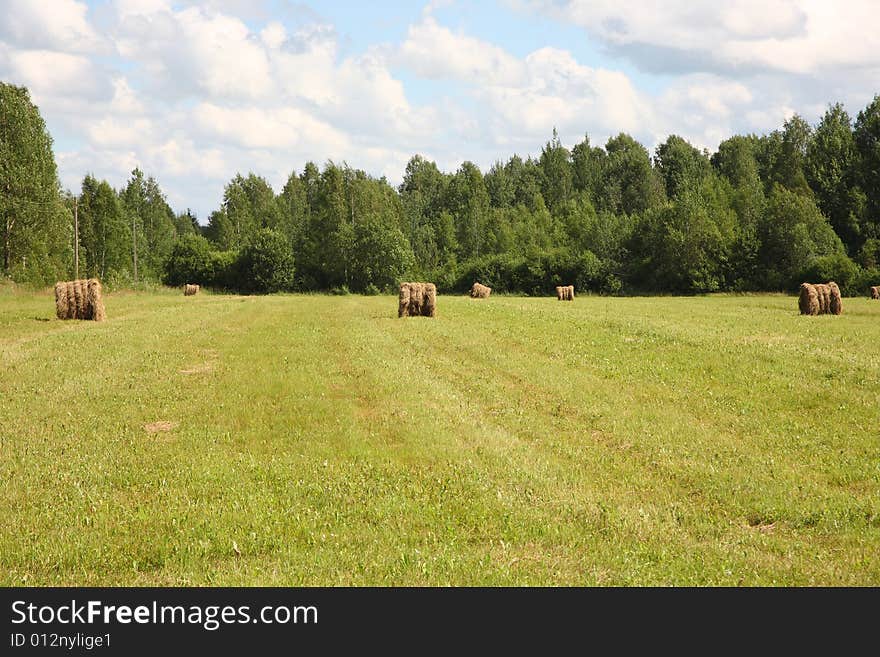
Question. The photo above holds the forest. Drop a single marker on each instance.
(762, 213)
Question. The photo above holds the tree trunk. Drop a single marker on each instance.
(6, 250)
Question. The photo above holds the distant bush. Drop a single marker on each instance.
(192, 260)
(266, 264)
(836, 267)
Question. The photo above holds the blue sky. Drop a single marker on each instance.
(195, 92)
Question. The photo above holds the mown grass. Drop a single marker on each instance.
(319, 440)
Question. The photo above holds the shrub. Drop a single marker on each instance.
(266, 264)
(191, 261)
(838, 268)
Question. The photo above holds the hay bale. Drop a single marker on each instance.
(79, 299)
(95, 301)
(61, 303)
(403, 301)
(808, 300)
(565, 292)
(824, 293)
(875, 292)
(417, 300)
(79, 294)
(429, 307)
(479, 291)
(835, 306)
(190, 290)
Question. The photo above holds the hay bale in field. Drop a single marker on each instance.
(479, 291)
(95, 301)
(61, 304)
(824, 293)
(190, 290)
(403, 301)
(565, 292)
(835, 306)
(429, 307)
(417, 300)
(875, 292)
(808, 301)
(79, 299)
(820, 299)
(80, 288)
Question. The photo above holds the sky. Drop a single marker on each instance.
(195, 92)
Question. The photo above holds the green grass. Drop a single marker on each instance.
(319, 440)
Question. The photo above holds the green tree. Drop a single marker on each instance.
(380, 255)
(468, 202)
(680, 165)
(792, 233)
(831, 170)
(736, 162)
(867, 138)
(587, 165)
(629, 184)
(556, 173)
(105, 235)
(248, 205)
(293, 208)
(190, 261)
(430, 231)
(36, 234)
(266, 263)
(526, 178)
(151, 222)
(186, 223)
(782, 155)
(685, 245)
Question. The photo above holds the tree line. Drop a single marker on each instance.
(762, 213)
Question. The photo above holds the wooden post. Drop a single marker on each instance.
(75, 240)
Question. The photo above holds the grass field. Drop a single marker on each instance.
(317, 440)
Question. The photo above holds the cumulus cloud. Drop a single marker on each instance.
(792, 36)
(434, 51)
(58, 25)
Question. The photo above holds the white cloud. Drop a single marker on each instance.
(277, 128)
(434, 51)
(791, 36)
(57, 25)
(49, 73)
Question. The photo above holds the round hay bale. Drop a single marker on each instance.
(875, 292)
(80, 299)
(189, 290)
(79, 294)
(95, 301)
(403, 300)
(835, 306)
(479, 291)
(417, 299)
(62, 307)
(824, 293)
(429, 307)
(808, 300)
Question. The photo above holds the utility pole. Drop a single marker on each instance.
(134, 243)
(75, 240)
